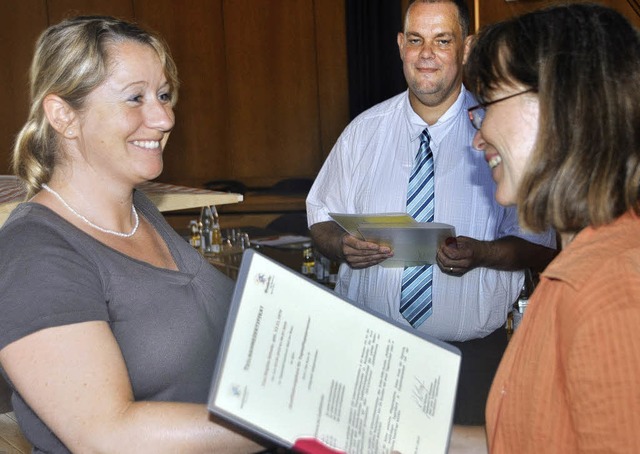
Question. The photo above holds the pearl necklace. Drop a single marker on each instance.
(97, 227)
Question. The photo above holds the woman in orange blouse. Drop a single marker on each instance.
(559, 125)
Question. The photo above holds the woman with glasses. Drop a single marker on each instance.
(559, 125)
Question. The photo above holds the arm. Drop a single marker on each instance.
(509, 253)
(336, 244)
(75, 379)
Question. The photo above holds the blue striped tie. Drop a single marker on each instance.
(415, 296)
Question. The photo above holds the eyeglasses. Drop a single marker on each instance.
(476, 113)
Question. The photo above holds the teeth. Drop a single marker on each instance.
(147, 143)
(493, 162)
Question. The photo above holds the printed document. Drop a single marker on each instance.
(298, 361)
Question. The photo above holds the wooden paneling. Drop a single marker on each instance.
(273, 89)
(62, 9)
(198, 149)
(495, 10)
(21, 24)
(264, 82)
(333, 93)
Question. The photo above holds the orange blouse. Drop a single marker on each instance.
(570, 379)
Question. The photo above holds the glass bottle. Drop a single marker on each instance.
(321, 267)
(206, 231)
(216, 233)
(520, 306)
(308, 261)
(194, 234)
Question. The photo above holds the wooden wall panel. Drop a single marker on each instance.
(333, 86)
(264, 82)
(21, 24)
(273, 89)
(62, 9)
(495, 10)
(198, 149)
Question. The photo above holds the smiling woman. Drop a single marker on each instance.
(561, 87)
(125, 121)
(111, 321)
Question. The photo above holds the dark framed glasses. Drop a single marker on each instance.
(476, 113)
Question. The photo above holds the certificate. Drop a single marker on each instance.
(298, 361)
(412, 244)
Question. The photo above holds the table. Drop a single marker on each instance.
(167, 197)
(228, 261)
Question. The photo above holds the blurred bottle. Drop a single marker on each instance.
(308, 261)
(244, 241)
(520, 306)
(334, 267)
(321, 267)
(216, 233)
(206, 231)
(232, 238)
(194, 234)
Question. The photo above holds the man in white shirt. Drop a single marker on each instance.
(478, 278)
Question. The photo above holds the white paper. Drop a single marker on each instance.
(299, 361)
(412, 245)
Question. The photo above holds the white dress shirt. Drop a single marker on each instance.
(368, 171)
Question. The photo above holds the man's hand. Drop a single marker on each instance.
(336, 244)
(363, 254)
(459, 255)
(509, 253)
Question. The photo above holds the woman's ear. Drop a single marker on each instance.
(60, 115)
(468, 42)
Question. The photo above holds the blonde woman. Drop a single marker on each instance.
(111, 321)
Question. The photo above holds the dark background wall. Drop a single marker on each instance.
(267, 85)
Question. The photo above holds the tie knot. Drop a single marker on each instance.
(425, 137)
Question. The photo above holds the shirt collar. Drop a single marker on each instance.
(416, 124)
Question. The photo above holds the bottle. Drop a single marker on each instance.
(206, 231)
(308, 261)
(216, 233)
(321, 267)
(520, 306)
(334, 267)
(194, 234)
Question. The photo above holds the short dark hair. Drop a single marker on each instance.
(463, 12)
(584, 62)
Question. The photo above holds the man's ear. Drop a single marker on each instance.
(401, 44)
(468, 42)
(60, 115)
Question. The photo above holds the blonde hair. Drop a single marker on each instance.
(71, 59)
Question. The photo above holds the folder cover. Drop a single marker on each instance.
(297, 361)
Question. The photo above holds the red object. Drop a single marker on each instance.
(313, 446)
